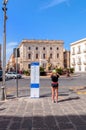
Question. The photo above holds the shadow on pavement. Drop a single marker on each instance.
(1, 109)
(49, 122)
(63, 94)
(68, 99)
(83, 88)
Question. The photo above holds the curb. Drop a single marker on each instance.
(49, 76)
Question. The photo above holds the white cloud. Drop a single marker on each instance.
(54, 3)
(9, 49)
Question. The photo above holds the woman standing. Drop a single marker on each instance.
(54, 86)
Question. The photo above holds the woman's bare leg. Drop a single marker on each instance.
(53, 94)
(56, 93)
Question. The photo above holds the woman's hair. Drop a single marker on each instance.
(54, 72)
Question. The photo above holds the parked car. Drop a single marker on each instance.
(1, 72)
(13, 75)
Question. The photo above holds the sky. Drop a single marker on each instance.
(43, 19)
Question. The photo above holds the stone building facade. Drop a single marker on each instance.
(78, 55)
(66, 59)
(11, 65)
(49, 53)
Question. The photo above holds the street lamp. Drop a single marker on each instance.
(4, 50)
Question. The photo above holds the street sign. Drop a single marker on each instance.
(16, 52)
(34, 80)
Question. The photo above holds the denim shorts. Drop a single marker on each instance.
(54, 85)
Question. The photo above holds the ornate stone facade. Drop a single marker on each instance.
(49, 53)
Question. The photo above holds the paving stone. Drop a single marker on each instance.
(81, 127)
(66, 126)
(14, 126)
(4, 124)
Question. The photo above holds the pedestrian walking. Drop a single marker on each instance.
(54, 86)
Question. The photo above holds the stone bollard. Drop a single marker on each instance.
(3, 93)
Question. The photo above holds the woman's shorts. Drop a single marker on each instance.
(54, 85)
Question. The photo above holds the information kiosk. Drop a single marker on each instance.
(34, 80)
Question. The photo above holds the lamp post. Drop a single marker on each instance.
(4, 50)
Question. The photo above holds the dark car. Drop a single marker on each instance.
(1, 75)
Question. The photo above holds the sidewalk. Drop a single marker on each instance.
(26, 113)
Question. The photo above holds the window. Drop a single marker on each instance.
(73, 51)
(79, 50)
(44, 65)
(43, 48)
(74, 60)
(79, 60)
(51, 55)
(57, 48)
(85, 68)
(85, 57)
(28, 66)
(43, 56)
(29, 48)
(57, 55)
(50, 48)
(36, 56)
(85, 47)
(79, 68)
(29, 56)
(36, 48)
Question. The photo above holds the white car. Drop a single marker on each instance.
(13, 75)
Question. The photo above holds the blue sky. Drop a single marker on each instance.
(43, 19)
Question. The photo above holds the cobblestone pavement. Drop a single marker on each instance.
(26, 113)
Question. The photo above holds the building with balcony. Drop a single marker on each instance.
(78, 55)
